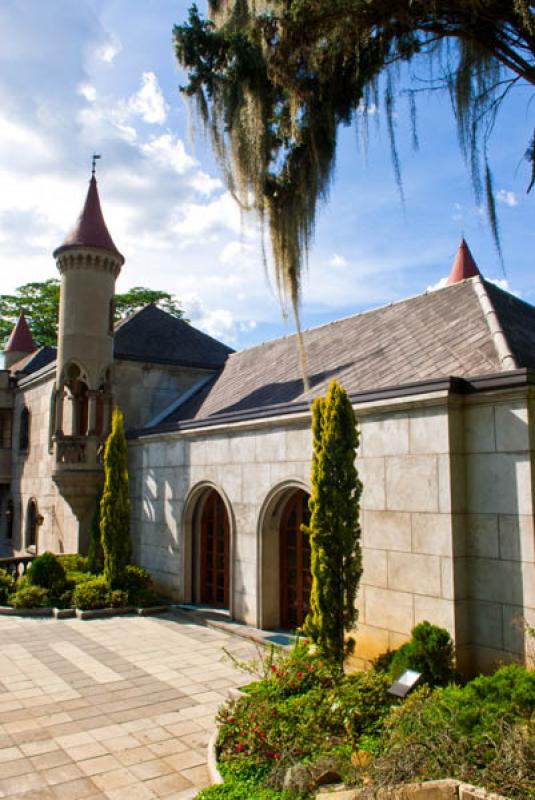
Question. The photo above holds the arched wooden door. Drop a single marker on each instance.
(295, 576)
(215, 552)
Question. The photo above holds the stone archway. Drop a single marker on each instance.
(278, 533)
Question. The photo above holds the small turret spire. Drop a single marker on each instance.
(464, 265)
(90, 229)
(20, 342)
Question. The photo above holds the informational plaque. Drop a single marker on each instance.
(405, 683)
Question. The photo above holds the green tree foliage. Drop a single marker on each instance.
(47, 571)
(40, 303)
(429, 651)
(115, 505)
(95, 553)
(334, 528)
(273, 80)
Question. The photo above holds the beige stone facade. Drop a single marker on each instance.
(447, 517)
(443, 385)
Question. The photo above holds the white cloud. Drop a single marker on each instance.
(503, 283)
(169, 151)
(88, 91)
(148, 102)
(438, 285)
(507, 197)
(109, 49)
(201, 218)
(338, 261)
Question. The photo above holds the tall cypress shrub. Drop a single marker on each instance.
(95, 554)
(115, 504)
(334, 529)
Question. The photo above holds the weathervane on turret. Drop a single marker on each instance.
(94, 163)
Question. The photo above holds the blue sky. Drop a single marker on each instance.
(101, 75)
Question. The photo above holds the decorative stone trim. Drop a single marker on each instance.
(447, 789)
(69, 613)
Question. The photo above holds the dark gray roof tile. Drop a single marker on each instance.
(434, 335)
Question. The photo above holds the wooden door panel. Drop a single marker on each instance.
(214, 552)
(295, 576)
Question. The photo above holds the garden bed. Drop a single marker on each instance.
(65, 586)
(303, 724)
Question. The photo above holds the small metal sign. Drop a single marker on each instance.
(405, 683)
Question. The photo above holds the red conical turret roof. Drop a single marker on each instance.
(20, 340)
(90, 229)
(464, 265)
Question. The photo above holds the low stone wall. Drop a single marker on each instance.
(429, 790)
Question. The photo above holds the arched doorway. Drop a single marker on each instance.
(214, 552)
(294, 553)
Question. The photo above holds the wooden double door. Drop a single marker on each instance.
(295, 575)
(215, 546)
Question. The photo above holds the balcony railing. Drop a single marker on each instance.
(16, 565)
(79, 452)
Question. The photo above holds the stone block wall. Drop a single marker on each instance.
(499, 543)
(405, 465)
(143, 390)
(32, 475)
(447, 517)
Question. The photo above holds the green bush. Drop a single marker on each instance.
(73, 562)
(6, 585)
(138, 583)
(481, 733)
(117, 598)
(91, 594)
(46, 571)
(430, 651)
(29, 597)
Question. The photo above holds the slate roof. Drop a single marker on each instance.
(35, 361)
(20, 339)
(155, 336)
(438, 334)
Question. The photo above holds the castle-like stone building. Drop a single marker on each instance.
(220, 451)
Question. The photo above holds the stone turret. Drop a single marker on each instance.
(89, 263)
(19, 344)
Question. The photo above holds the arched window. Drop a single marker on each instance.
(31, 524)
(10, 513)
(24, 431)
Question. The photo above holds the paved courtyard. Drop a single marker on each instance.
(117, 708)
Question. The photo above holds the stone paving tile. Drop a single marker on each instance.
(111, 709)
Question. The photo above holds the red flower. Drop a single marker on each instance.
(273, 668)
(276, 756)
(305, 641)
(299, 676)
(240, 748)
(280, 673)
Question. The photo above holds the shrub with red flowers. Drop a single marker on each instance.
(299, 710)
